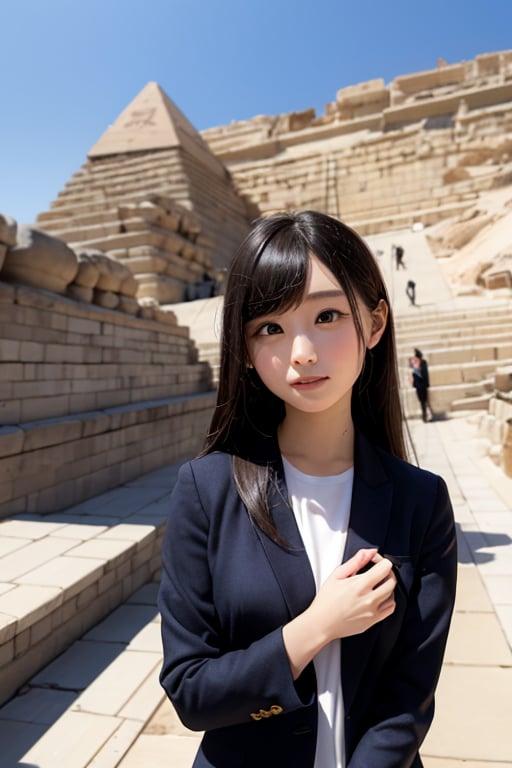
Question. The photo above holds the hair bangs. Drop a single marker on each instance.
(279, 276)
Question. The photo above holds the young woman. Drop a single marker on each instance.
(308, 570)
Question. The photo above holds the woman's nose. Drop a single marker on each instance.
(303, 350)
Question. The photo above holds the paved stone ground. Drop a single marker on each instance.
(99, 705)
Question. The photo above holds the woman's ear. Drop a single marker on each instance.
(379, 322)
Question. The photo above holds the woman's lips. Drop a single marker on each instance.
(308, 382)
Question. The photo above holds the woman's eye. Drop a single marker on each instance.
(269, 329)
(328, 316)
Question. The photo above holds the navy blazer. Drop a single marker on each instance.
(227, 590)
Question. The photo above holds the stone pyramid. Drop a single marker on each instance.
(152, 122)
(153, 195)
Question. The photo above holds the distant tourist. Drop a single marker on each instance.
(421, 382)
(399, 256)
(411, 291)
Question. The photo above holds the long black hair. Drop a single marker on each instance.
(268, 275)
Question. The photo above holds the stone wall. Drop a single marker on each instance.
(419, 150)
(96, 387)
(90, 398)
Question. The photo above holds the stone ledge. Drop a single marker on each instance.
(90, 558)
(54, 463)
(90, 704)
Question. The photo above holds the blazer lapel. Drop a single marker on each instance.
(368, 525)
(290, 563)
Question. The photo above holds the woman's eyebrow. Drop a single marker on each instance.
(334, 294)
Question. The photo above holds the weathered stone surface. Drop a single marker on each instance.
(497, 279)
(3, 251)
(81, 293)
(8, 229)
(148, 307)
(111, 273)
(165, 290)
(88, 273)
(128, 304)
(106, 299)
(129, 286)
(503, 379)
(40, 260)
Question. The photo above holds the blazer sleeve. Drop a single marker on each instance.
(211, 686)
(404, 701)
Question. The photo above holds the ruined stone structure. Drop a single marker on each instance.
(382, 157)
(100, 385)
(153, 196)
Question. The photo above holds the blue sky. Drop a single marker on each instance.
(69, 67)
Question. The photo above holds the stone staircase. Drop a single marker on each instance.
(72, 580)
(62, 573)
(98, 410)
(464, 349)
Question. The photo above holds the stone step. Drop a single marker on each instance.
(410, 322)
(469, 372)
(437, 343)
(88, 706)
(51, 464)
(442, 396)
(477, 403)
(62, 573)
(463, 355)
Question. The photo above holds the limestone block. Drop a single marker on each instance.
(80, 293)
(3, 252)
(146, 210)
(117, 253)
(148, 307)
(111, 272)
(129, 286)
(147, 263)
(11, 440)
(106, 299)
(503, 379)
(128, 304)
(88, 272)
(166, 316)
(493, 280)
(40, 260)
(165, 290)
(8, 230)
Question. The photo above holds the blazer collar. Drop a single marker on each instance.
(370, 513)
(368, 523)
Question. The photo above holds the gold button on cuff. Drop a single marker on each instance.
(275, 709)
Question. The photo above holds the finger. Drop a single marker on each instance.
(385, 589)
(356, 562)
(386, 608)
(378, 573)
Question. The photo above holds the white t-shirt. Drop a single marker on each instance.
(321, 506)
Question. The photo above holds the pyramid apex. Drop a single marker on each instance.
(150, 121)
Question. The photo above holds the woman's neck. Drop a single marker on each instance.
(317, 443)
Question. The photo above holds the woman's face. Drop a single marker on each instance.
(310, 355)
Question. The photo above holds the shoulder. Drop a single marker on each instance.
(415, 483)
(206, 476)
(400, 468)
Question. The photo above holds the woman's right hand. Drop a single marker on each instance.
(350, 602)
(347, 603)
